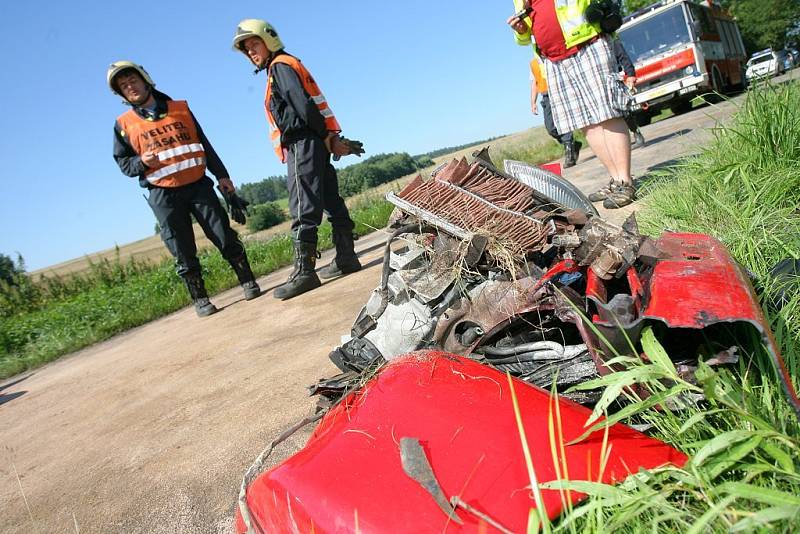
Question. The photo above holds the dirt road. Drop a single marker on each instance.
(152, 430)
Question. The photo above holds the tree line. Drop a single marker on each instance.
(353, 179)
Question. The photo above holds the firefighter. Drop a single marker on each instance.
(159, 141)
(572, 148)
(304, 134)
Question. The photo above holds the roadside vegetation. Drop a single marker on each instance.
(42, 320)
(743, 441)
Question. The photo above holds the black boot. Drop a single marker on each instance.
(571, 152)
(246, 279)
(197, 290)
(638, 139)
(346, 260)
(304, 277)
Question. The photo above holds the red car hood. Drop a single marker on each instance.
(349, 477)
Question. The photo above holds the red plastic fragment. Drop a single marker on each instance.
(698, 284)
(554, 167)
(349, 476)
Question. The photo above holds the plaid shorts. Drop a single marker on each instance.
(586, 88)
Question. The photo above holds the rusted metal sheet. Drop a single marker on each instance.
(477, 198)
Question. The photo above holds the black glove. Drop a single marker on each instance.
(353, 146)
(237, 206)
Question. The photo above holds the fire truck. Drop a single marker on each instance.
(682, 49)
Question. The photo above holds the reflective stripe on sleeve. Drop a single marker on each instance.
(179, 150)
(327, 113)
(175, 167)
(319, 99)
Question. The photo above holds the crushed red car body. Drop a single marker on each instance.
(349, 477)
(497, 273)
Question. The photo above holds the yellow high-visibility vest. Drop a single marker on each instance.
(570, 14)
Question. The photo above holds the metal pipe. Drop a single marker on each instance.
(524, 347)
(566, 353)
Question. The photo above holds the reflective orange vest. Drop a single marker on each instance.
(537, 70)
(313, 91)
(174, 139)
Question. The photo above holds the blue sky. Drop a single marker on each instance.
(408, 76)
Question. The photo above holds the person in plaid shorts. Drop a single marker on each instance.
(586, 92)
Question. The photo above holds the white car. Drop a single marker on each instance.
(764, 64)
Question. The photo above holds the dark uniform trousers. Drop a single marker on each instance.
(549, 124)
(314, 189)
(173, 207)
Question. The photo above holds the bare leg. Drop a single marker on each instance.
(612, 145)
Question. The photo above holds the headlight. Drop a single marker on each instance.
(690, 70)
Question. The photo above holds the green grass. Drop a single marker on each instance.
(535, 148)
(43, 322)
(283, 203)
(744, 469)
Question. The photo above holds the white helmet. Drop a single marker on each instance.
(257, 28)
(119, 66)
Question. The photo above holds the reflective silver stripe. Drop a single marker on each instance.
(570, 24)
(179, 150)
(319, 99)
(175, 167)
(327, 113)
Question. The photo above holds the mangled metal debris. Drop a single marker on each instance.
(498, 273)
(483, 265)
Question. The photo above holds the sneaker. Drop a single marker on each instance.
(602, 194)
(620, 195)
(638, 139)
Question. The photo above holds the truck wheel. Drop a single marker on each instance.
(643, 118)
(717, 88)
(684, 106)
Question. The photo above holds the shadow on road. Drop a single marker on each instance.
(670, 135)
(654, 175)
(4, 398)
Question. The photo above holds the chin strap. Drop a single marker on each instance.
(266, 64)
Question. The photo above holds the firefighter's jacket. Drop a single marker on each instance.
(294, 104)
(173, 132)
(570, 15)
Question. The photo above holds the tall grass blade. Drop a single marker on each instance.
(541, 513)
